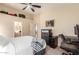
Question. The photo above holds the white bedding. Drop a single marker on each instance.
(23, 45)
(19, 45)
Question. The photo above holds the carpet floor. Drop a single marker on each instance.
(56, 51)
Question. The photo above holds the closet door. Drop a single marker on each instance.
(32, 28)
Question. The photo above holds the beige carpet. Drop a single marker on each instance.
(56, 51)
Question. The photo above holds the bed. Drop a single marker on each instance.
(18, 46)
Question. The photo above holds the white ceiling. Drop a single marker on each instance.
(19, 6)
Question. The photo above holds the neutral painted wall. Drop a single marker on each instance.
(7, 22)
(65, 15)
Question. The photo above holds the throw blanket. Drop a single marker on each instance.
(37, 46)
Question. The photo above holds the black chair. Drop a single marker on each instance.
(69, 45)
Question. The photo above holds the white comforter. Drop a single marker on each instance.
(19, 45)
(23, 45)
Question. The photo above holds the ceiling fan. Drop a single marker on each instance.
(30, 5)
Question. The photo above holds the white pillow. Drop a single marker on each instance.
(3, 41)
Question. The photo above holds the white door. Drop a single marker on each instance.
(32, 28)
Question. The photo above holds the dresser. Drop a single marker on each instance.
(47, 35)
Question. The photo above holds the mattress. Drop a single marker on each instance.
(19, 46)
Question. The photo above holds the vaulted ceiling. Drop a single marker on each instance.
(44, 6)
(19, 6)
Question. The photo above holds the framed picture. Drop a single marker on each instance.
(50, 23)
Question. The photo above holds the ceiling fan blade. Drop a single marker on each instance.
(32, 9)
(30, 3)
(24, 3)
(24, 8)
(36, 6)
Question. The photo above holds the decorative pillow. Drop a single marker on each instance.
(37, 46)
(68, 40)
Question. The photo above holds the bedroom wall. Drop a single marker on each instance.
(7, 22)
(65, 15)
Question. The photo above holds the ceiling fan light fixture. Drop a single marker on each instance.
(30, 6)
